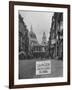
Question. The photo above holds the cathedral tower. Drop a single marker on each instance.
(44, 39)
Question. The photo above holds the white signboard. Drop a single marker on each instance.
(43, 67)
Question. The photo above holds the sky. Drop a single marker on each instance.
(40, 21)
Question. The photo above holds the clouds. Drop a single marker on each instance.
(40, 21)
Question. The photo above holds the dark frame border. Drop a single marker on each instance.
(11, 43)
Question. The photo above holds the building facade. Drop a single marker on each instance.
(23, 38)
(32, 41)
(32, 37)
(56, 37)
(40, 50)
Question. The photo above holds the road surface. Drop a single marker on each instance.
(27, 69)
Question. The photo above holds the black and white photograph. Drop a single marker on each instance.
(39, 47)
(40, 44)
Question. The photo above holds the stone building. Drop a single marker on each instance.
(56, 37)
(32, 37)
(44, 41)
(32, 41)
(23, 38)
(40, 50)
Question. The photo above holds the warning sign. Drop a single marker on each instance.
(43, 67)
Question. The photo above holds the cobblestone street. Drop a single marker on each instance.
(27, 69)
